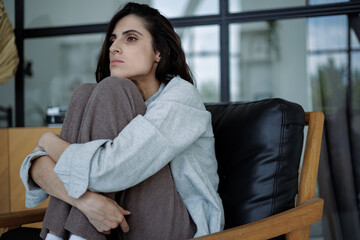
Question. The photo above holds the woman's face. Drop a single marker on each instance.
(131, 52)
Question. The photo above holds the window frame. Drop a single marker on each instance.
(223, 20)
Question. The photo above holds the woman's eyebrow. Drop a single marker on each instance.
(131, 31)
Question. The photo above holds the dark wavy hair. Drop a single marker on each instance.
(164, 39)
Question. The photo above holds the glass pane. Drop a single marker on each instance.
(55, 66)
(10, 10)
(355, 40)
(355, 69)
(251, 5)
(48, 13)
(327, 33)
(355, 93)
(318, 2)
(175, 8)
(7, 100)
(202, 50)
(328, 76)
(268, 59)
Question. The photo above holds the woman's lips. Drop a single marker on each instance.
(115, 61)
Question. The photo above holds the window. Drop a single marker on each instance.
(328, 61)
(237, 49)
(250, 5)
(56, 66)
(268, 59)
(202, 50)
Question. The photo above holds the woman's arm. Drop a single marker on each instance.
(102, 212)
(171, 124)
(52, 144)
(42, 172)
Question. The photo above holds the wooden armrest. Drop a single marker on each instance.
(279, 224)
(19, 218)
(296, 218)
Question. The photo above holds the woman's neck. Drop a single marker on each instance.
(147, 88)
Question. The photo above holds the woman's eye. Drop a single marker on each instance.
(131, 39)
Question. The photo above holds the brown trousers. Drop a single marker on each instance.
(101, 111)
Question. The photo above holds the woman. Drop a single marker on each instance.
(141, 134)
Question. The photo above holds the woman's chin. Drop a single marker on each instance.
(118, 75)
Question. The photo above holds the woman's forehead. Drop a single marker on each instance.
(129, 22)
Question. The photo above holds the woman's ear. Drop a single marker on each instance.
(157, 56)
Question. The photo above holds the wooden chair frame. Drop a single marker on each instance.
(294, 223)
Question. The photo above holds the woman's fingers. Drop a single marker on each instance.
(103, 213)
(119, 216)
(123, 211)
(123, 224)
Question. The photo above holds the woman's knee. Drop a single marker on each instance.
(83, 92)
(114, 83)
(115, 86)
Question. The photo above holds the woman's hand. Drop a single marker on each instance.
(103, 213)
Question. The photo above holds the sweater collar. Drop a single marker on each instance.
(155, 95)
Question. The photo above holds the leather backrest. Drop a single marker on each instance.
(258, 147)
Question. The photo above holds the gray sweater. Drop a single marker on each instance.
(176, 129)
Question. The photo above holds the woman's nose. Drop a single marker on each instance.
(115, 47)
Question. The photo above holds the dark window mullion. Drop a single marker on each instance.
(352, 22)
(63, 31)
(19, 77)
(224, 52)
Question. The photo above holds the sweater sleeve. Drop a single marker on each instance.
(171, 124)
(34, 195)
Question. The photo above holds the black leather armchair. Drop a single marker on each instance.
(259, 147)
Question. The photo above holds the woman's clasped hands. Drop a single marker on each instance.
(103, 213)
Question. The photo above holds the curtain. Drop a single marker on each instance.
(336, 92)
